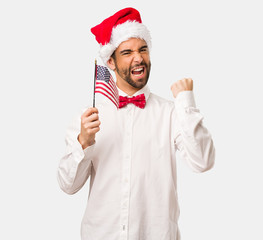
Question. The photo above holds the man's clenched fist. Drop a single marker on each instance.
(185, 84)
(89, 127)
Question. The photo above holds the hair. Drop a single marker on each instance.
(113, 56)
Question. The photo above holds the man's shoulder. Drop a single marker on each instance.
(154, 98)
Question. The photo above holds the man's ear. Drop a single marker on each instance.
(111, 64)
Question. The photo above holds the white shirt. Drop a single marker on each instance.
(132, 165)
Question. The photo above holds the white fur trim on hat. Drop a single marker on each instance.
(121, 33)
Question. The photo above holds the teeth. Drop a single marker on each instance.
(138, 70)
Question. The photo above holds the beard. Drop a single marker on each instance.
(125, 74)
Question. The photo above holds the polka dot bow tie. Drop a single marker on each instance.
(138, 101)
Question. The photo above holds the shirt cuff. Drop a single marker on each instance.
(185, 99)
(80, 153)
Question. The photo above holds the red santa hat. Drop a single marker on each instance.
(121, 26)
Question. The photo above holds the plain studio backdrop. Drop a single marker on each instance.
(47, 57)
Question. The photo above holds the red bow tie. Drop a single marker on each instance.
(138, 101)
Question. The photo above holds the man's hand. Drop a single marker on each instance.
(185, 84)
(89, 127)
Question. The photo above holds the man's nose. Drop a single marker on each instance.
(137, 57)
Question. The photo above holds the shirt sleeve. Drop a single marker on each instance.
(75, 166)
(192, 139)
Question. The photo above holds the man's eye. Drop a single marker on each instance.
(125, 53)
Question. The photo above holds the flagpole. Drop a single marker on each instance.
(95, 76)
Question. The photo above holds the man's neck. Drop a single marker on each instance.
(128, 89)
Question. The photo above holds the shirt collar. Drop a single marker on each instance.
(145, 90)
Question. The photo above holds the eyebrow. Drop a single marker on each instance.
(145, 46)
(125, 50)
(129, 50)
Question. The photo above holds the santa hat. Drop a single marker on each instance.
(121, 26)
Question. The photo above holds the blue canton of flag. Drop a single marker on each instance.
(103, 74)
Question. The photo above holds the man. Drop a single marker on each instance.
(130, 153)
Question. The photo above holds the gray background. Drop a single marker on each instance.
(46, 70)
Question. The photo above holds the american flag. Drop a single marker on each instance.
(106, 85)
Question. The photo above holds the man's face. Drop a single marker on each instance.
(132, 62)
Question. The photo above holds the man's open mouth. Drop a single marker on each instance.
(138, 71)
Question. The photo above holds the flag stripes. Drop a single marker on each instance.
(101, 88)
